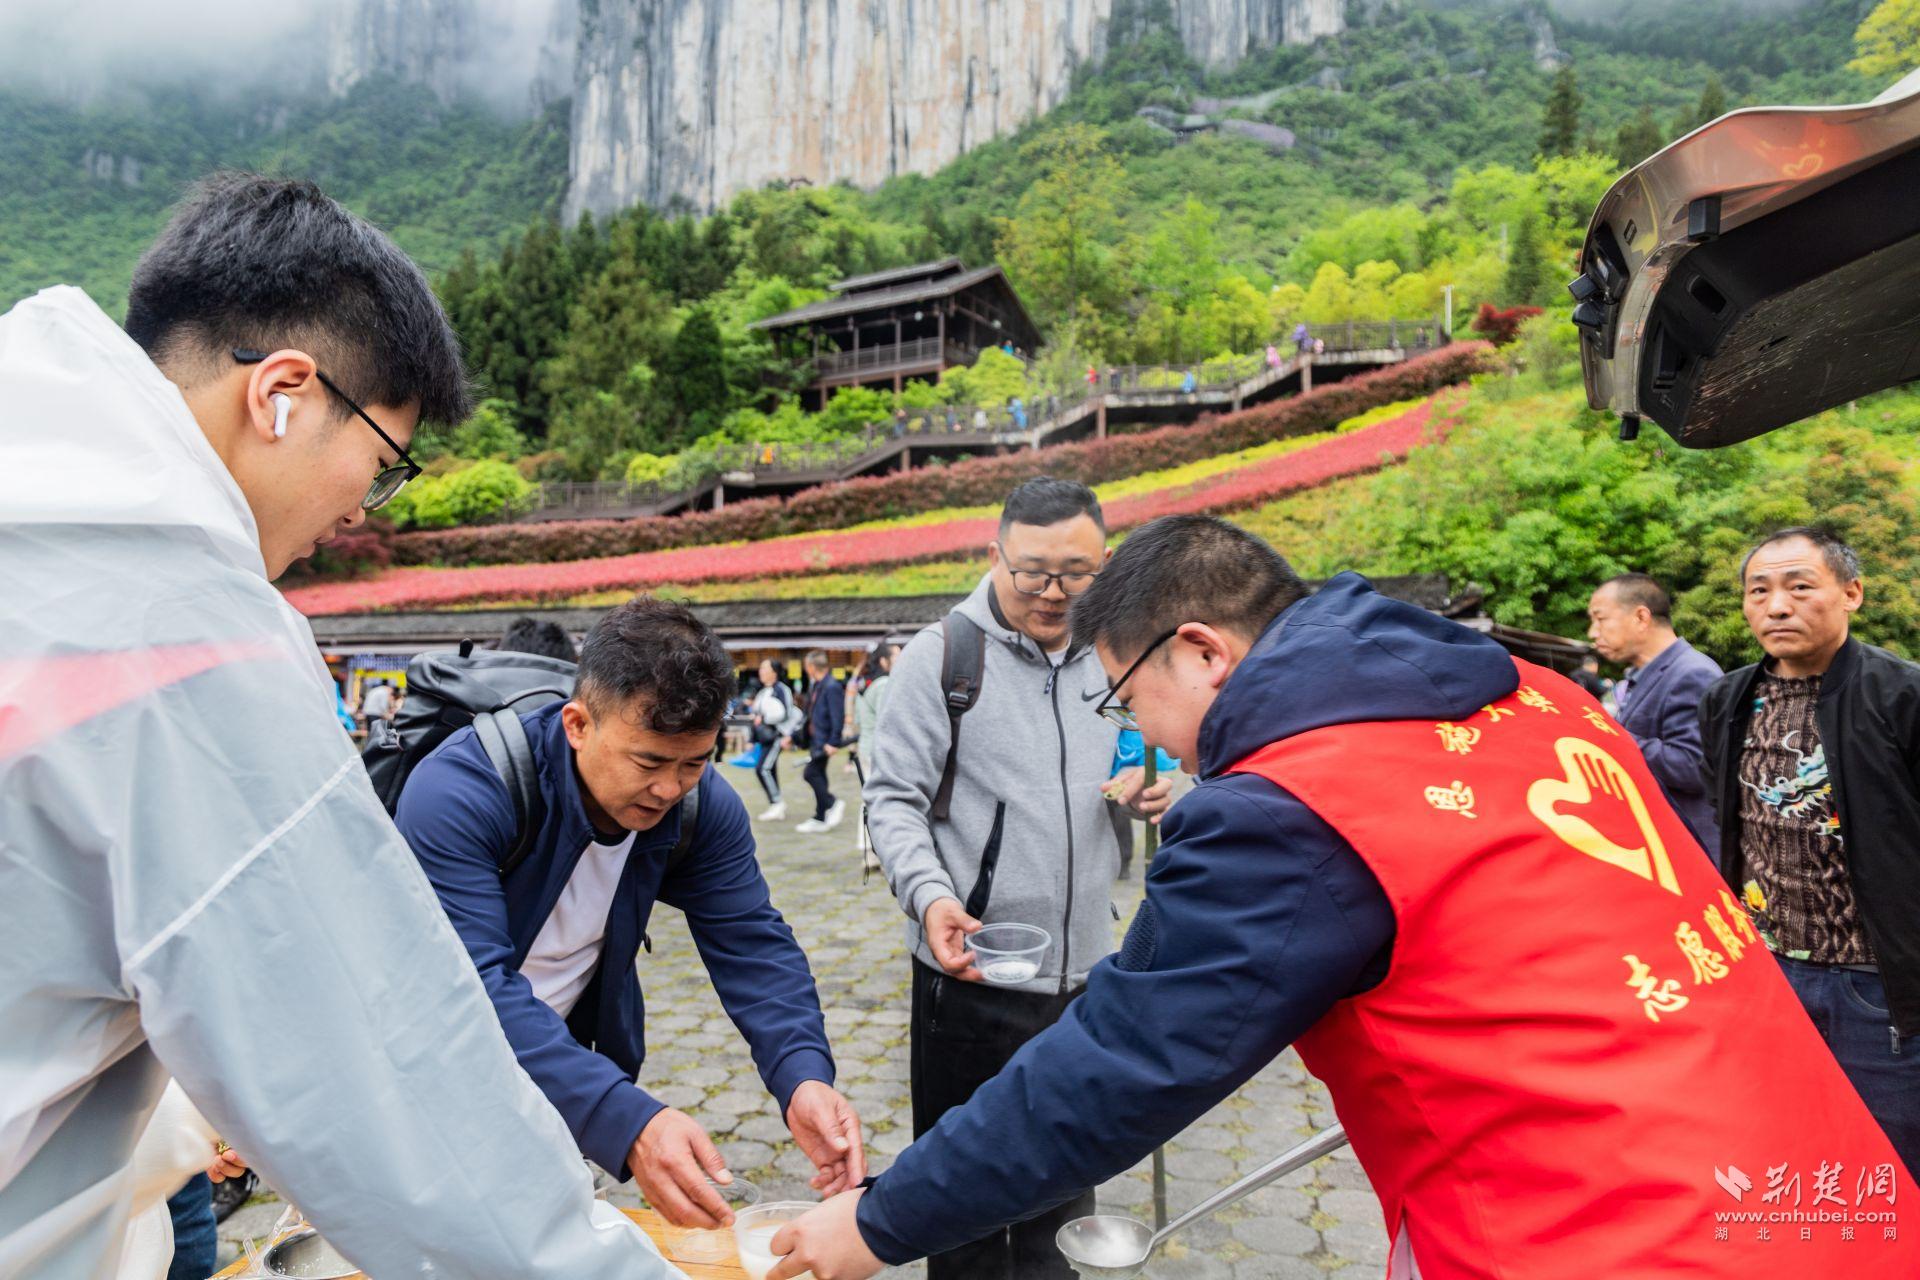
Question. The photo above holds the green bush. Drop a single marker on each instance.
(787, 424)
(489, 433)
(919, 395)
(1535, 499)
(1545, 353)
(852, 409)
(649, 468)
(991, 380)
(486, 490)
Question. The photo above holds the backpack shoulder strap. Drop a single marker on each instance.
(689, 829)
(963, 662)
(504, 739)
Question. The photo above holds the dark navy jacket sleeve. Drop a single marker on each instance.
(829, 715)
(1672, 742)
(1258, 918)
(456, 814)
(757, 968)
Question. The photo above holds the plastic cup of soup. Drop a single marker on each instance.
(754, 1230)
(711, 1244)
(1009, 954)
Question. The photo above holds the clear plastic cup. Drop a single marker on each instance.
(711, 1244)
(754, 1230)
(1009, 954)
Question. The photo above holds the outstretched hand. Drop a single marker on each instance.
(672, 1161)
(825, 1125)
(948, 927)
(825, 1242)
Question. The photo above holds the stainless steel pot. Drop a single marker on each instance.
(305, 1254)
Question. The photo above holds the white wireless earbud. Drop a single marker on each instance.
(280, 406)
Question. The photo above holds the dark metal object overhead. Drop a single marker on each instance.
(1761, 269)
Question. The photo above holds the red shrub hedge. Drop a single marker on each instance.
(1350, 454)
(973, 482)
(367, 549)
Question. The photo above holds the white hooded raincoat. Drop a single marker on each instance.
(196, 879)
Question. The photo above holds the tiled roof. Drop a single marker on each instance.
(919, 271)
(872, 299)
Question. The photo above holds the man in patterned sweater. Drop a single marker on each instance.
(1813, 763)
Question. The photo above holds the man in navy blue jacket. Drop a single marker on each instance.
(556, 939)
(1631, 622)
(1259, 917)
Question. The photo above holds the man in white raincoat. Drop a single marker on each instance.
(195, 877)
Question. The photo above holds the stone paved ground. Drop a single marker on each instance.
(1318, 1220)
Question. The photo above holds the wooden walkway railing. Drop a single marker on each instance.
(949, 428)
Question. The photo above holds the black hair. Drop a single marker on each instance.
(1181, 569)
(1840, 557)
(881, 648)
(657, 651)
(1640, 590)
(265, 263)
(532, 635)
(1045, 500)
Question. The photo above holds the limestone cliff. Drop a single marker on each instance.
(517, 53)
(1221, 32)
(689, 101)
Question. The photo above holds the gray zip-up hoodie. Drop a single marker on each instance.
(1031, 740)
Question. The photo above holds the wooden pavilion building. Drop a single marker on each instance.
(911, 322)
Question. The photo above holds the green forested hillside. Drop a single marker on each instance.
(1437, 147)
(1392, 109)
(1387, 112)
(82, 191)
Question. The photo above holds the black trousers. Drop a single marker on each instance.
(768, 770)
(816, 775)
(962, 1034)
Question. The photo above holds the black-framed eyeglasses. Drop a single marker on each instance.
(1037, 582)
(1112, 711)
(390, 480)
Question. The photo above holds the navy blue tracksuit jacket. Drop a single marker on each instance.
(1258, 919)
(457, 815)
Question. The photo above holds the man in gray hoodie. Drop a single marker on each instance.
(1024, 832)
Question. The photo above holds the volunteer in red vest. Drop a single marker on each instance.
(1448, 879)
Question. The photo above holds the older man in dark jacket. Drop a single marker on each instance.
(1630, 621)
(1811, 760)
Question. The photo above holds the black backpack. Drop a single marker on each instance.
(963, 665)
(963, 662)
(489, 689)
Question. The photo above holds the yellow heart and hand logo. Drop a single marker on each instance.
(1591, 777)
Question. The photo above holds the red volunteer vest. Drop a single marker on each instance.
(1582, 1061)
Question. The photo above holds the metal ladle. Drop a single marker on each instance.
(1111, 1246)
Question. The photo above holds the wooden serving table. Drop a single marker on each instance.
(651, 1223)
